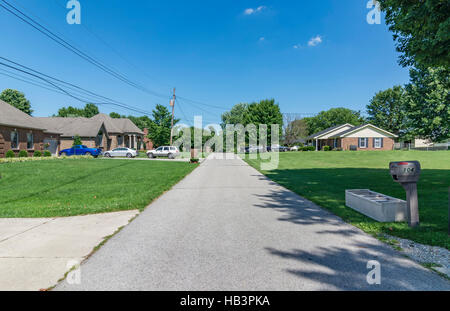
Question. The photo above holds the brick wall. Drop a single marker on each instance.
(67, 143)
(5, 140)
(388, 143)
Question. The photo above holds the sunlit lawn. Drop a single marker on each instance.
(68, 187)
(323, 177)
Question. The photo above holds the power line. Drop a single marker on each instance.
(76, 97)
(44, 30)
(70, 85)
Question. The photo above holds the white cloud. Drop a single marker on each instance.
(315, 41)
(262, 39)
(251, 11)
(297, 46)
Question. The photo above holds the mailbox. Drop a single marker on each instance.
(404, 172)
(407, 174)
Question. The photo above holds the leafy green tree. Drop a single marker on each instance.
(77, 141)
(421, 30)
(265, 112)
(387, 110)
(235, 116)
(115, 115)
(160, 125)
(428, 104)
(333, 117)
(88, 111)
(16, 99)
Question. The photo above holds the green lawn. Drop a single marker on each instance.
(69, 187)
(323, 177)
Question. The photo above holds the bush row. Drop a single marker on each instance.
(29, 159)
(24, 154)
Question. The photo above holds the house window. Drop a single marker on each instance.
(335, 143)
(30, 141)
(363, 143)
(378, 143)
(14, 140)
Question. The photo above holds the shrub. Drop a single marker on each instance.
(37, 154)
(326, 148)
(337, 149)
(47, 154)
(195, 160)
(23, 154)
(309, 148)
(10, 154)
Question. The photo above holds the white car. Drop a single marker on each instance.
(170, 152)
(121, 152)
(295, 148)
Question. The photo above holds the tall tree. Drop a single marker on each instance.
(387, 110)
(333, 117)
(265, 112)
(428, 103)
(16, 99)
(421, 30)
(235, 116)
(160, 125)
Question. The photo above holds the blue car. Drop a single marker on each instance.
(81, 150)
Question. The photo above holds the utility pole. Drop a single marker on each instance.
(172, 104)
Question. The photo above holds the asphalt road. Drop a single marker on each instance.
(227, 227)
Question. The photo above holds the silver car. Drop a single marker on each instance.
(170, 152)
(121, 152)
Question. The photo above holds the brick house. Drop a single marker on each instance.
(100, 131)
(349, 137)
(19, 131)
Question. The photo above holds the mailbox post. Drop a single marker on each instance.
(407, 174)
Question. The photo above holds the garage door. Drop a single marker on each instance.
(53, 145)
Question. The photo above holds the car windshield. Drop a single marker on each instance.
(159, 149)
(84, 147)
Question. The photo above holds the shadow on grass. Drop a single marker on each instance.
(91, 175)
(326, 188)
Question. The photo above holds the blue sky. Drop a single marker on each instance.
(218, 53)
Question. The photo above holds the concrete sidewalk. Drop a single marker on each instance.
(36, 253)
(227, 227)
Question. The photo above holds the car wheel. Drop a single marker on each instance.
(151, 155)
(88, 154)
(107, 155)
(129, 155)
(171, 156)
(63, 154)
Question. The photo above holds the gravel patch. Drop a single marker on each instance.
(436, 257)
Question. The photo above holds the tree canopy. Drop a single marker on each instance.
(160, 125)
(387, 110)
(333, 117)
(88, 111)
(16, 99)
(421, 30)
(428, 103)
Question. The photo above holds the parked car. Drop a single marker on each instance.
(278, 148)
(295, 148)
(121, 152)
(81, 150)
(170, 152)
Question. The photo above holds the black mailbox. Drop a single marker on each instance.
(407, 174)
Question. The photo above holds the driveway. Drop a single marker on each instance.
(227, 227)
(36, 253)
